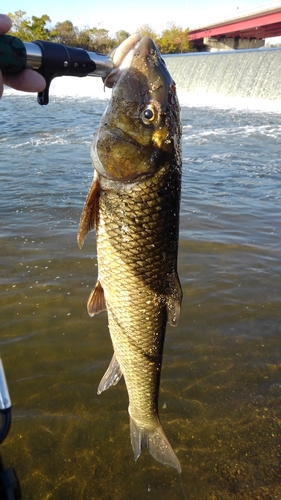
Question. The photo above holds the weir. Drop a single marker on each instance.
(238, 73)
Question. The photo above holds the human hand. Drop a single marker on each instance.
(28, 80)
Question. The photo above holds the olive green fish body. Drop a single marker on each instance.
(137, 254)
(134, 206)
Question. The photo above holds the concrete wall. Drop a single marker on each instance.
(223, 43)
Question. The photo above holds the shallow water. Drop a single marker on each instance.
(221, 377)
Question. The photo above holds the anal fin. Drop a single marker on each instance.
(111, 376)
(96, 302)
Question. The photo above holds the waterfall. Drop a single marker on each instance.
(253, 74)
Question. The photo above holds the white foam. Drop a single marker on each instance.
(218, 101)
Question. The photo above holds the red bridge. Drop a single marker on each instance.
(247, 30)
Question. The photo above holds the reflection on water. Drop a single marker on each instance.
(221, 378)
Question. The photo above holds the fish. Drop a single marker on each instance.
(133, 205)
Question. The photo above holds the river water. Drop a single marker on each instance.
(221, 378)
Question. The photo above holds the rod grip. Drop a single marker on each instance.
(12, 54)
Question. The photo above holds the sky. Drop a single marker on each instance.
(115, 15)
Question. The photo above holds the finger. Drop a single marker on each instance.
(5, 24)
(28, 81)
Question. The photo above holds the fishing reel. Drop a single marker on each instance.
(50, 60)
(9, 483)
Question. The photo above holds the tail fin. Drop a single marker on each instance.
(156, 442)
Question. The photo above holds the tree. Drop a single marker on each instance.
(38, 29)
(65, 33)
(17, 19)
(146, 30)
(174, 40)
(28, 30)
(100, 41)
(84, 39)
(120, 36)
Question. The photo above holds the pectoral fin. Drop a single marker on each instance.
(174, 298)
(111, 376)
(96, 302)
(89, 216)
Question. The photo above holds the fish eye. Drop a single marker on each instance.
(149, 115)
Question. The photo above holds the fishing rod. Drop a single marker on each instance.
(50, 60)
(5, 405)
(9, 483)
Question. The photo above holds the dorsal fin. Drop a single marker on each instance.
(96, 302)
(89, 216)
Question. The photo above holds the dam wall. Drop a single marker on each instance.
(238, 73)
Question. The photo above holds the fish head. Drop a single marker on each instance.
(140, 129)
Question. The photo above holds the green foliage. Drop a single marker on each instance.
(172, 40)
(146, 30)
(120, 36)
(28, 30)
(99, 41)
(65, 33)
(17, 19)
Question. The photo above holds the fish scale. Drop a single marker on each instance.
(151, 239)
